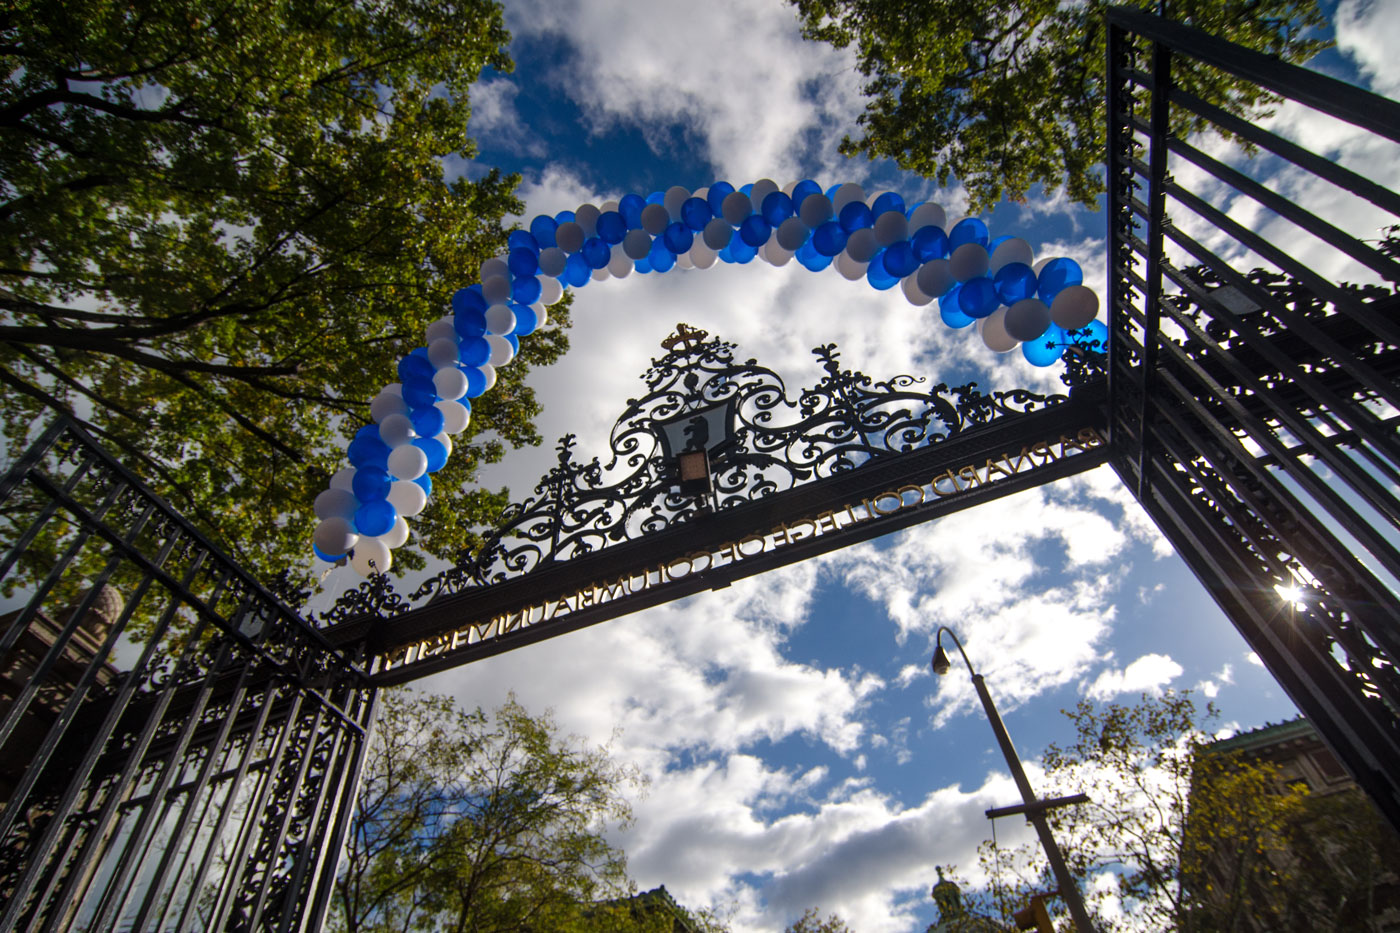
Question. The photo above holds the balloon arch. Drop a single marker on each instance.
(992, 284)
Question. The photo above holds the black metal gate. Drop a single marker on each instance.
(178, 750)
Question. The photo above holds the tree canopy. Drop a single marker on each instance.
(220, 226)
(1006, 94)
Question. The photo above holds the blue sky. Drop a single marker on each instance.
(797, 749)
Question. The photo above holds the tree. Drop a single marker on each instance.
(221, 224)
(1167, 812)
(469, 821)
(811, 922)
(1005, 94)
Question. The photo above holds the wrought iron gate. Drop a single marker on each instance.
(178, 750)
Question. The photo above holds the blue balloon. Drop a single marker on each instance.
(656, 197)
(725, 255)
(746, 190)
(328, 558)
(630, 207)
(951, 315)
(368, 451)
(577, 271)
(661, 258)
(522, 239)
(803, 188)
(542, 229)
(419, 393)
(368, 430)
(829, 239)
(876, 274)
(522, 261)
(414, 365)
(1057, 275)
(476, 380)
(810, 259)
(930, 243)
(978, 297)
(563, 217)
(437, 454)
(595, 252)
(1045, 349)
(468, 299)
(642, 265)
(611, 227)
(716, 195)
(375, 518)
(755, 231)
(469, 323)
(371, 484)
(856, 216)
(889, 201)
(426, 482)
(967, 230)
(776, 208)
(695, 213)
(741, 252)
(474, 350)
(992, 246)
(900, 259)
(678, 238)
(1014, 282)
(428, 422)
(419, 351)
(526, 291)
(514, 342)
(1092, 336)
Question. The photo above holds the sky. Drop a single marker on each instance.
(797, 750)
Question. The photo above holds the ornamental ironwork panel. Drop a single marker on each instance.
(178, 750)
(1253, 393)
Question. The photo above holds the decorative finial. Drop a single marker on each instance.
(685, 337)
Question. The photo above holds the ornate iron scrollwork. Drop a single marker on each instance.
(774, 442)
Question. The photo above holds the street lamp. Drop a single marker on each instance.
(1033, 808)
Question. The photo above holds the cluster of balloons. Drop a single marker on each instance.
(994, 285)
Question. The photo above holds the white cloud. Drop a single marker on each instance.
(1210, 686)
(494, 118)
(1148, 674)
(1254, 659)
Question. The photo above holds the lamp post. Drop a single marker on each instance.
(1033, 808)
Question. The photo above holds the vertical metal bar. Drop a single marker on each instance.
(1157, 201)
(1119, 211)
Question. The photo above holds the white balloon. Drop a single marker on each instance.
(761, 189)
(636, 244)
(702, 255)
(927, 214)
(1027, 319)
(587, 217)
(542, 313)
(846, 194)
(569, 237)
(968, 262)
(702, 193)
(935, 277)
(445, 441)
(396, 430)
(790, 187)
(1009, 251)
(735, 208)
(372, 556)
(552, 260)
(495, 289)
(862, 245)
(655, 219)
(717, 233)
(993, 331)
(396, 536)
(407, 497)
(891, 227)
(385, 405)
(600, 275)
(334, 503)
(494, 266)
(550, 291)
(1075, 307)
(407, 462)
(450, 383)
(774, 254)
(500, 319)
(912, 293)
(455, 415)
(442, 327)
(443, 352)
(850, 268)
(672, 200)
(683, 260)
(334, 535)
(501, 350)
(1040, 264)
(344, 478)
(620, 265)
(792, 233)
(608, 205)
(815, 210)
(489, 372)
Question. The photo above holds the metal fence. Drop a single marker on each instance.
(1253, 379)
(178, 751)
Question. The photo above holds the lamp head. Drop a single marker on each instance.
(940, 660)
